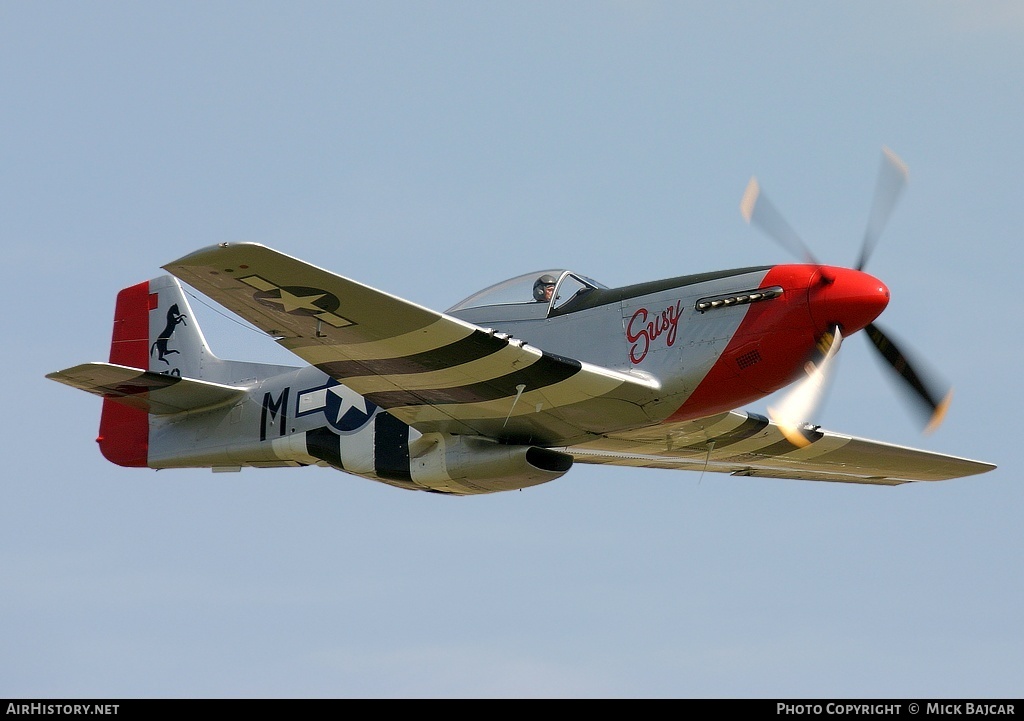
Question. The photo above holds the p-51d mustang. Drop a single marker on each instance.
(512, 386)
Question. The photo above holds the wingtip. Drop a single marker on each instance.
(203, 255)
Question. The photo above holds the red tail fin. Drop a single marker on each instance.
(124, 431)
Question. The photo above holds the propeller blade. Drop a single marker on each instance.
(931, 398)
(800, 404)
(759, 211)
(892, 178)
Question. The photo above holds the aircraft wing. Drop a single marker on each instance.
(747, 444)
(430, 370)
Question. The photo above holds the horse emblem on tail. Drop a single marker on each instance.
(174, 317)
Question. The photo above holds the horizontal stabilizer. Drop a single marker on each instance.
(154, 393)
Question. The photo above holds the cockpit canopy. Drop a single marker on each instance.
(521, 290)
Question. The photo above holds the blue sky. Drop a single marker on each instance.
(433, 148)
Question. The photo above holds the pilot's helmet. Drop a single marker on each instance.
(543, 282)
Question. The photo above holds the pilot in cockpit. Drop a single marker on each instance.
(544, 288)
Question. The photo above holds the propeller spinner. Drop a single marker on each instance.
(846, 301)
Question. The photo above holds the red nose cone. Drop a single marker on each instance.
(849, 298)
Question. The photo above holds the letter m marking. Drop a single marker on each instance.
(271, 409)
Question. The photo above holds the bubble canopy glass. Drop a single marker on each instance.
(520, 290)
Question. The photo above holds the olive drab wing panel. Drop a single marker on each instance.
(747, 444)
(432, 371)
